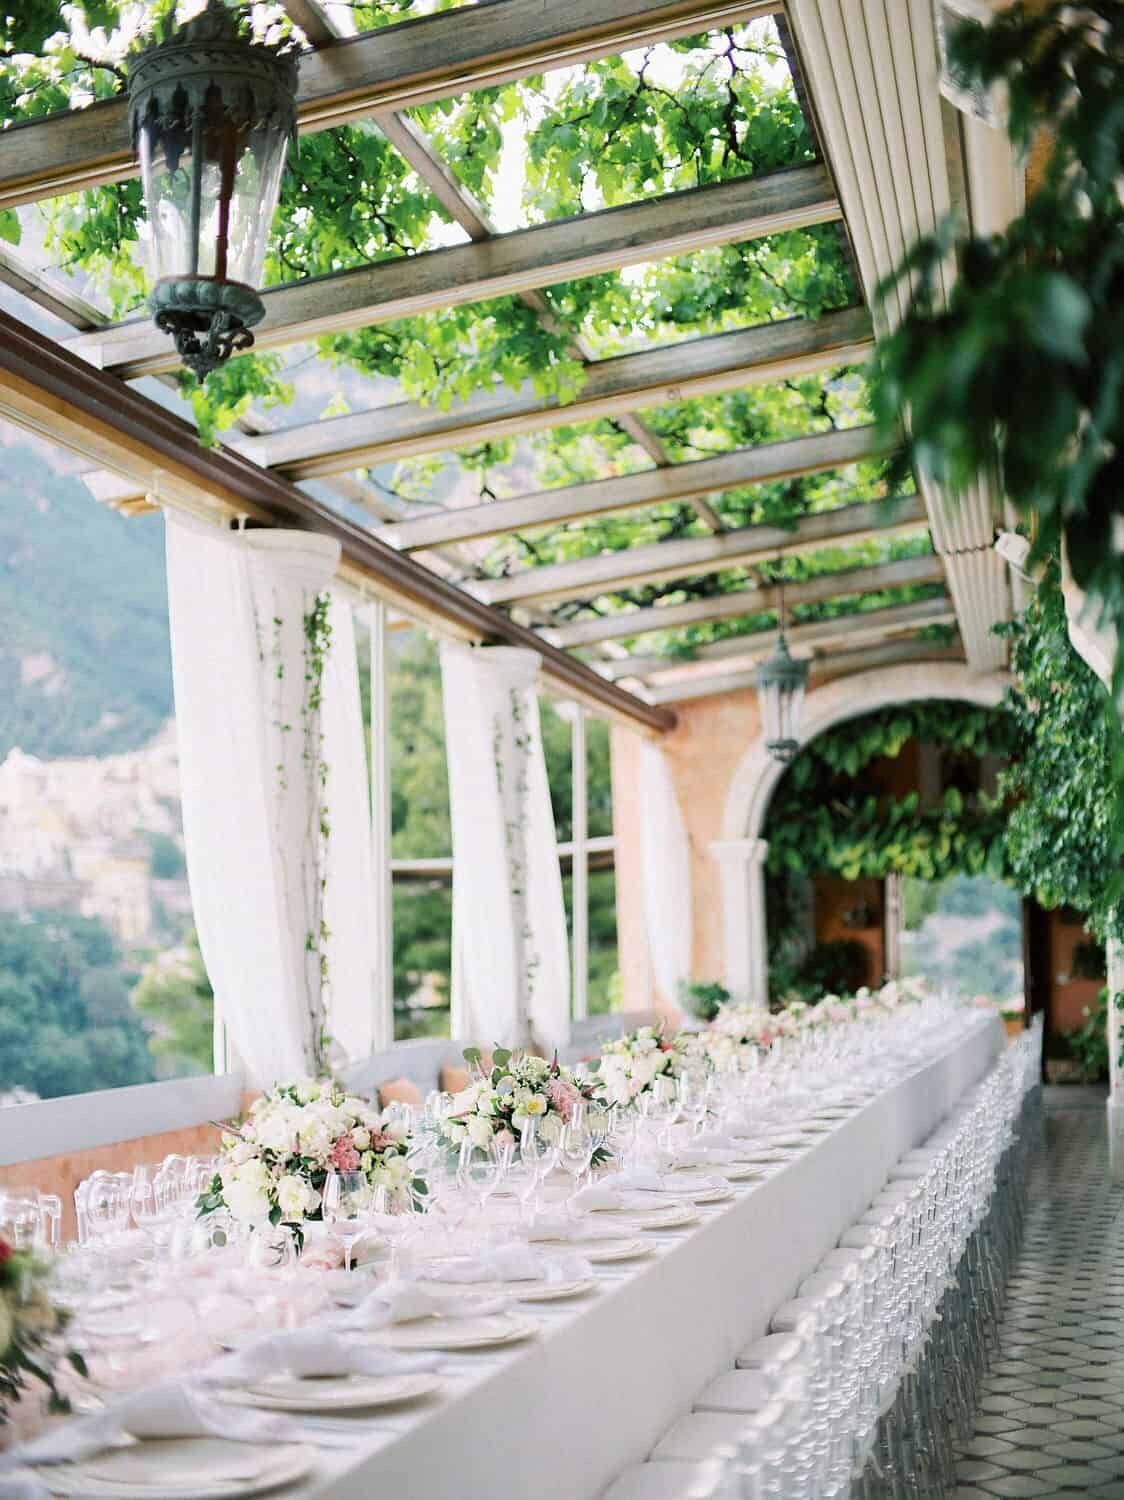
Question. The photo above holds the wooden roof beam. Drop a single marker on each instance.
(654, 229)
(589, 577)
(654, 377)
(633, 622)
(863, 625)
(393, 67)
(834, 664)
(728, 471)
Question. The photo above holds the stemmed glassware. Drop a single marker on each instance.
(537, 1159)
(575, 1151)
(348, 1207)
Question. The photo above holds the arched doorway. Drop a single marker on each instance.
(741, 850)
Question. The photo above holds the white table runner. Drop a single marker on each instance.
(560, 1416)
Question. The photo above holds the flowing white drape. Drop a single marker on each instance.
(358, 1014)
(666, 854)
(511, 972)
(268, 743)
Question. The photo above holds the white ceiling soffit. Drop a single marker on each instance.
(873, 72)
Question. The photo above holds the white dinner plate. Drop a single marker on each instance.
(191, 1468)
(459, 1333)
(335, 1392)
(704, 1196)
(607, 1252)
(738, 1171)
(673, 1216)
(523, 1291)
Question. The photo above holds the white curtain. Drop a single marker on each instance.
(250, 758)
(666, 853)
(358, 1019)
(511, 971)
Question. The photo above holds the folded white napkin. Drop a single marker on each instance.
(309, 1352)
(405, 1302)
(558, 1226)
(598, 1195)
(169, 1410)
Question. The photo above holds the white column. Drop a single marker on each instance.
(511, 980)
(666, 874)
(382, 915)
(742, 866)
(579, 868)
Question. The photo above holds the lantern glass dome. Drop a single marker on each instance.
(212, 114)
(781, 681)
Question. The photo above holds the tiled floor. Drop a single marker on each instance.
(1051, 1412)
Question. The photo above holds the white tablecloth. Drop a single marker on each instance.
(558, 1417)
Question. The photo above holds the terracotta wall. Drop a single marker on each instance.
(703, 752)
(1068, 995)
(62, 1174)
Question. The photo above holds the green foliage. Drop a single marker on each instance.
(1089, 1043)
(65, 1022)
(839, 967)
(827, 817)
(166, 859)
(1062, 830)
(175, 998)
(705, 998)
(1047, 296)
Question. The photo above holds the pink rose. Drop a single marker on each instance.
(380, 1141)
(343, 1156)
(563, 1096)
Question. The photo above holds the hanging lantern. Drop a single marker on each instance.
(781, 681)
(211, 115)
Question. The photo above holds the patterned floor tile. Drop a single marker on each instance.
(1050, 1415)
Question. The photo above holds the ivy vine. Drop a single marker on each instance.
(1065, 803)
(317, 643)
(825, 818)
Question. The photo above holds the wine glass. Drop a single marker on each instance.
(537, 1158)
(575, 1151)
(599, 1120)
(480, 1170)
(347, 1206)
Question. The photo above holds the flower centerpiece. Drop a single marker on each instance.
(277, 1158)
(738, 1026)
(28, 1324)
(630, 1065)
(512, 1090)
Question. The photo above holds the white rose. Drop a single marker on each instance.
(479, 1130)
(296, 1197)
(464, 1102)
(314, 1137)
(550, 1127)
(277, 1130)
(361, 1138)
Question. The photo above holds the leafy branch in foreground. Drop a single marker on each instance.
(1020, 373)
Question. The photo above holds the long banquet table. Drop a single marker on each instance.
(560, 1415)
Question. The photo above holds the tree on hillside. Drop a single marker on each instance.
(65, 1022)
(175, 997)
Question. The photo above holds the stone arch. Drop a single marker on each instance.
(741, 851)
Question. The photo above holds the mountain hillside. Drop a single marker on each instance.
(84, 657)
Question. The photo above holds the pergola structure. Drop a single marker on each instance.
(635, 628)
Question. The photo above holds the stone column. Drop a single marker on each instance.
(742, 866)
